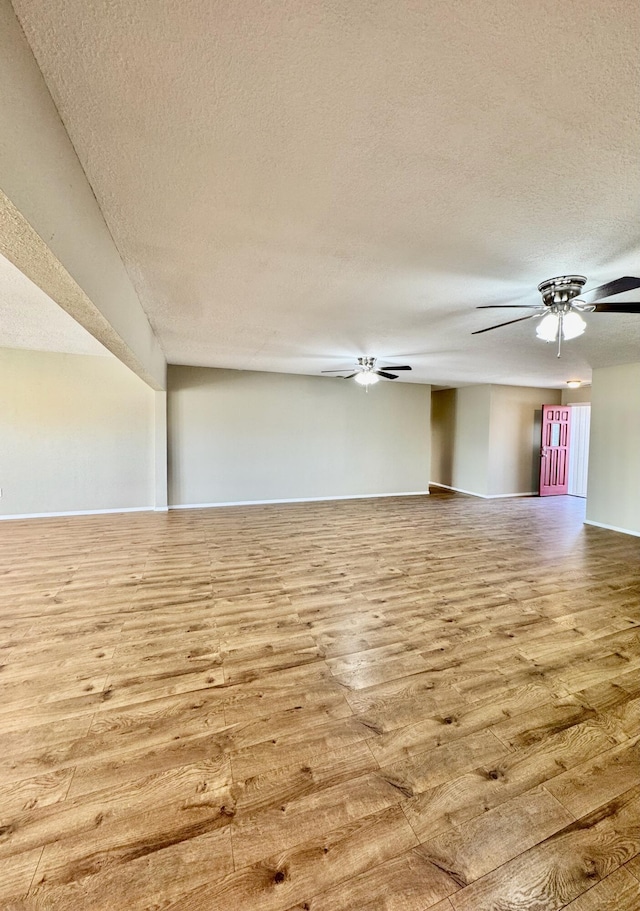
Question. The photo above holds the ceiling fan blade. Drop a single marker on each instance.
(350, 377)
(387, 376)
(619, 286)
(339, 370)
(393, 367)
(508, 323)
(508, 306)
(625, 307)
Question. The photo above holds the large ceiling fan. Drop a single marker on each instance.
(563, 302)
(366, 373)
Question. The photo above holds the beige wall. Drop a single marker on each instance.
(76, 434)
(581, 396)
(514, 445)
(443, 414)
(238, 436)
(613, 493)
(161, 480)
(472, 421)
(460, 438)
(486, 439)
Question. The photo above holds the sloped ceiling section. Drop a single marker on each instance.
(30, 319)
(292, 184)
(51, 226)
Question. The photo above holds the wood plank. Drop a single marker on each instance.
(599, 780)
(125, 767)
(170, 873)
(290, 783)
(320, 811)
(398, 703)
(438, 729)
(544, 721)
(554, 873)
(490, 840)
(454, 802)
(284, 879)
(273, 753)
(29, 793)
(406, 695)
(378, 672)
(428, 769)
(193, 799)
(17, 877)
(408, 882)
(618, 892)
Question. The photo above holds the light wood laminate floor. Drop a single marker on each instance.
(379, 705)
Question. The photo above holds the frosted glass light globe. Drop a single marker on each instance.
(366, 378)
(548, 328)
(572, 325)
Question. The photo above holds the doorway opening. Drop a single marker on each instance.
(579, 449)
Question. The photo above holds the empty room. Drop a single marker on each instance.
(319, 455)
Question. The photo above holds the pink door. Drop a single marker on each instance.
(554, 454)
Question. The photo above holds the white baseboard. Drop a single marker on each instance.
(101, 512)
(504, 496)
(623, 531)
(469, 493)
(77, 512)
(485, 496)
(357, 496)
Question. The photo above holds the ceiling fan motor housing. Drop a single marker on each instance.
(560, 291)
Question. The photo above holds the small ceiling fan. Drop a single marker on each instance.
(563, 302)
(366, 373)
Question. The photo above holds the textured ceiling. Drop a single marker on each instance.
(30, 319)
(294, 183)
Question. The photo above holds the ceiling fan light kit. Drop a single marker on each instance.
(563, 303)
(365, 372)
